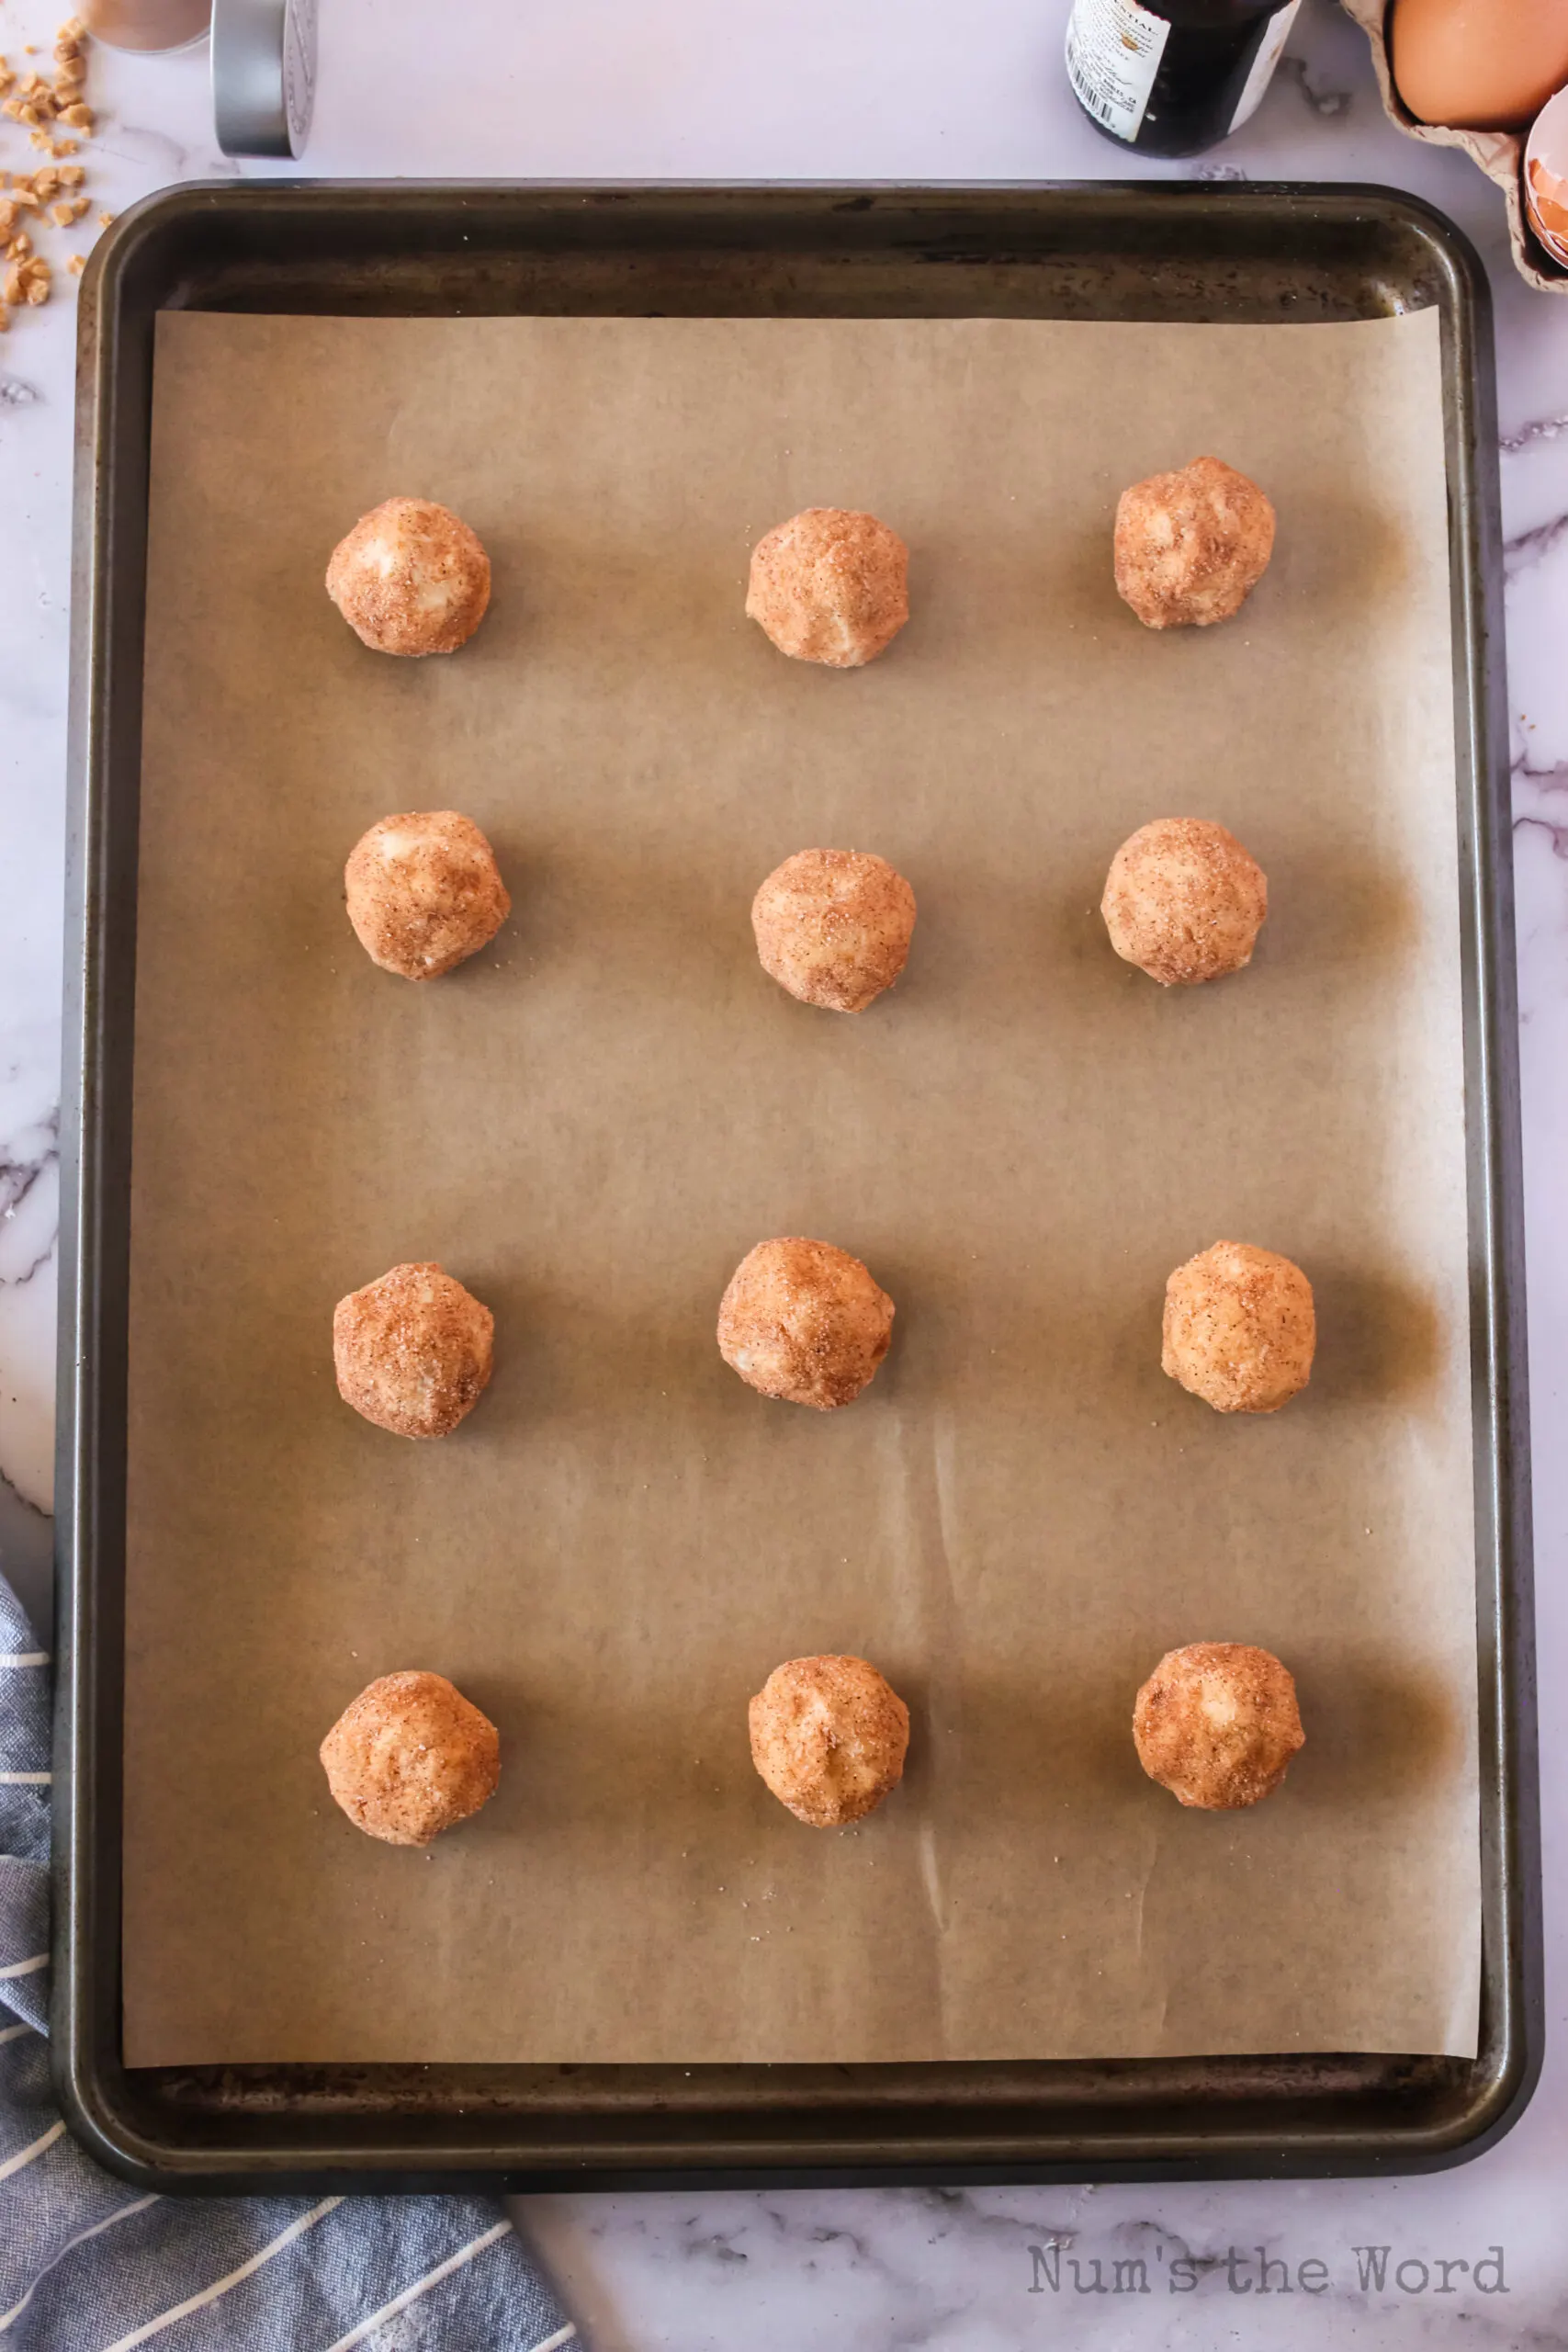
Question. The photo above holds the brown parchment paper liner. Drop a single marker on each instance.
(592, 1122)
(1499, 153)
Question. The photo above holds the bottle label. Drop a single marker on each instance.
(1114, 52)
(1263, 66)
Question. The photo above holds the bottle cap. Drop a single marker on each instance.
(264, 75)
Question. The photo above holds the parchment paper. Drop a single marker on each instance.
(590, 1124)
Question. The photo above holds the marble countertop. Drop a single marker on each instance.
(859, 89)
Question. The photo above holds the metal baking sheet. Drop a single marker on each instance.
(849, 253)
(592, 1122)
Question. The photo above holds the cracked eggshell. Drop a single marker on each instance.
(1546, 178)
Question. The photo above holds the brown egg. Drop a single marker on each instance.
(1478, 64)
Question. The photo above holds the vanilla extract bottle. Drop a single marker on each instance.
(1175, 79)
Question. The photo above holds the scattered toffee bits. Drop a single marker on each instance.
(44, 104)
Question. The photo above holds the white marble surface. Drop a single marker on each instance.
(926, 89)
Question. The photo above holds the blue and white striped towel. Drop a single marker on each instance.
(90, 2265)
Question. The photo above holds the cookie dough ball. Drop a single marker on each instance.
(803, 1321)
(833, 926)
(409, 1757)
(830, 585)
(413, 1351)
(411, 578)
(1184, 901)
(1216, 1724)
(424, 892)
(1239, 1328)
(1191, 545)
(829, 1736)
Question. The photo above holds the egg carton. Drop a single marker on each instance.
(1499, 153)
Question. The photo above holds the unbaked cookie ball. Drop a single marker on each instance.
(1191, 545)
(1184, 901)
(829, 1736)
(1239, 1328)
(830, 585)
(424, 892)
(413, 1351)
(409, 1757)
(833, 926)
(1216, 1724)
(411, 578)
(803, 1321)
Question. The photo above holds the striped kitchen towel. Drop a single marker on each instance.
(88, 2263)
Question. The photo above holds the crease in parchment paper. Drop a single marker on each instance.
(1139, 1892)
(590, 1122)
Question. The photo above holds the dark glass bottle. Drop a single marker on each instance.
(1176, 77)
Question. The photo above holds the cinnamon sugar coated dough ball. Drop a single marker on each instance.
(803, 1321)
(830, 585)
(411, 578)
(1217, 1724)
(829, 1736)
(1239, 1328)
(1191, 545)
(1184, 901)
(424, 892)
(833, 927)
(413, 1351)
(409, 1757)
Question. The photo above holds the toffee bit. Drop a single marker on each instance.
(80, 118)
(105, 220)
(28, 281)
(76, 264)
(71, 176)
